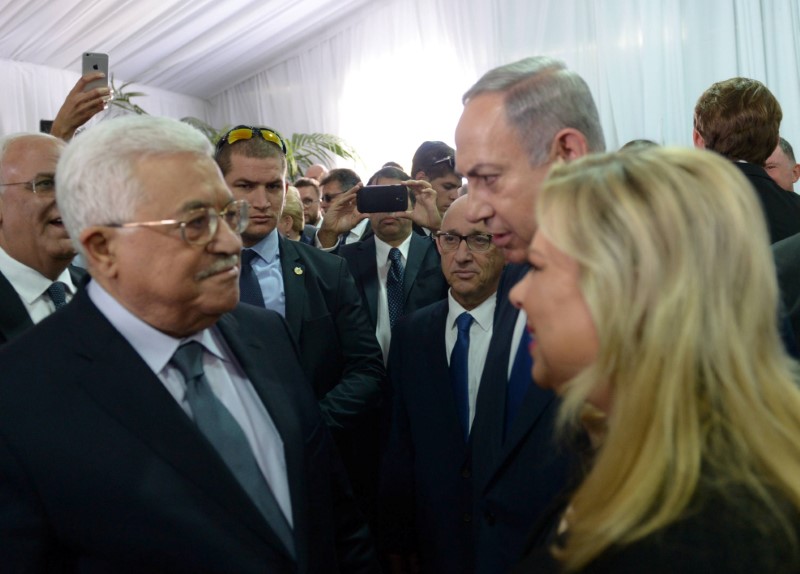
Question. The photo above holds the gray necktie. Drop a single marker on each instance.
(58, 294)
(224, 433)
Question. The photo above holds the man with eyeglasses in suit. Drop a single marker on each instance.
(154, 424)
(35, 250)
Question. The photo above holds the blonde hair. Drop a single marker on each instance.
(293, 207)
(676, 269)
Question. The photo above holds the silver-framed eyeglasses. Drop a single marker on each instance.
(40, 185)
(199, 226)
(477, 242)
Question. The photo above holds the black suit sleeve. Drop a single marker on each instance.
(362, 383)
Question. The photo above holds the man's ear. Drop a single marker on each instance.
(795, 177)
(99, 248)
(569, 144)
(698, 140)
(421, 176)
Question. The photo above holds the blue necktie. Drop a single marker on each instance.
(223, 432)
(249, 288)
(459, 371)
(394, 286)
(58, 294)
(519, 381)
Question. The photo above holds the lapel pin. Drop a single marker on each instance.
(298, 270)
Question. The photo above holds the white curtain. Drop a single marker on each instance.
(394, 75)
(30, 93)
(391, 74)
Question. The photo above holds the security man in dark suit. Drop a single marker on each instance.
(153, 424)
(316, 294)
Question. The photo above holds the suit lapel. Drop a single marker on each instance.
(368, 271)
(491, 402)
(137, 399)
(251, 350)
(417, 250)
(293, 271)
(441, 388)
(14, 318)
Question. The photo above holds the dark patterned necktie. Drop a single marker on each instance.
(394, 286)
(223, 432)
(519, 381)
(58, 294)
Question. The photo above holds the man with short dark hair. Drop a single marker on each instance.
(311, 196)
(740, 118)
(35, 250)
(434, 162)
(782, 166)
(340, 228)
(154, 425)
(396, 271)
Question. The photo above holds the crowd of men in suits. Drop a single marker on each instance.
(214, 397)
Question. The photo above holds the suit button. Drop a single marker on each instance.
(466, 473)
(490, 518)
(467, 517)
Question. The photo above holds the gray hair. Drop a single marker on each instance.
(7, 141)
(96, 181)
(786, 148)
(542, 97)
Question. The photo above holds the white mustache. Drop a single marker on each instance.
(219, 265)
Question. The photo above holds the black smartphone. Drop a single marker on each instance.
(95, 62)
(382, 198)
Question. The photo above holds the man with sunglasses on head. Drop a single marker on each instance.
(313, 290)
(153, 424)
(35, 250)
(458, 393)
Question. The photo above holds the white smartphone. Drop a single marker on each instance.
(95, 62)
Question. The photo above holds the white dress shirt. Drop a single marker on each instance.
(480, 335)
(383, 325)
(31, 286)
(225, 377)
(352, 236)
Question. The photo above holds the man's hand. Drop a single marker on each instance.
(425, 213)
(340, 217)
(79, 107)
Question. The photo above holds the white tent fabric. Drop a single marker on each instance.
(389, 74)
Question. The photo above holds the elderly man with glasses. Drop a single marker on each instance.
(35, 250)
(153, 424)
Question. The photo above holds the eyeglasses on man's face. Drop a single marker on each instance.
(248, 132)
(477, 242)
(199, 226)
(40, 185)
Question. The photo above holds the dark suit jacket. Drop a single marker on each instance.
(463, 507)
(781, 207)
(338, 349)
(102, 471)
(14, 318)
(423, 281)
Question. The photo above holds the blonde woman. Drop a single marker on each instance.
(291, 221)
(652, 297)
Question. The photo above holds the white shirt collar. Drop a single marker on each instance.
(267, 248)
(382, 250)
(483, 314)
(155, 347)
(29, 283)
